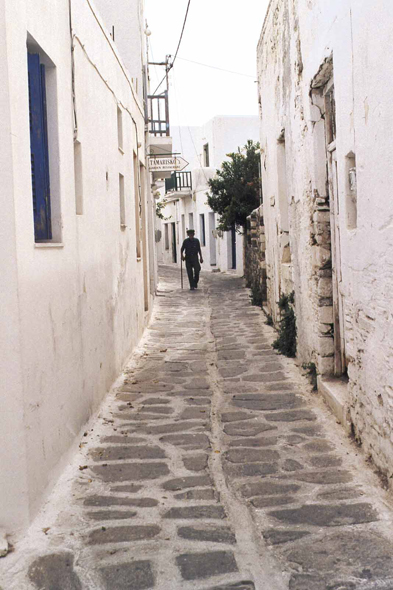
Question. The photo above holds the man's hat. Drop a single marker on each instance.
(190, 231)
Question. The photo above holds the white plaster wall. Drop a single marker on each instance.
(224, 134)
(127, 19)
(13, 484)
(80, 302)
(294, 43)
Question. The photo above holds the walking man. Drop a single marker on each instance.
(190, 250)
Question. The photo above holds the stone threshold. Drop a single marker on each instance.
(334, 391)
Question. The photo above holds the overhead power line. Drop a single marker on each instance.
(181, 35)
(217, 68)
(178, 46)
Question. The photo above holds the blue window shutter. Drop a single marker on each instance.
(39, 149)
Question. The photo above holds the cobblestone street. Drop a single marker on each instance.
(211, 466)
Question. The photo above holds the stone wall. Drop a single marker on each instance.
(255, 263)
(330, 197)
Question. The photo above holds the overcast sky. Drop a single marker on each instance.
(219, 33)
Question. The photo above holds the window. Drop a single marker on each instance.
(137, 203)
(78, 178)
(202, 229)
(121, 202)
(120, 129)
(44, 144)
(39, 149)
(166, 236)
(206, 159)
(190, 221)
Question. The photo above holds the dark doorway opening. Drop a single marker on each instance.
(233, 243)
(174, 248)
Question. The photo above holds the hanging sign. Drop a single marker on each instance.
(167, 163)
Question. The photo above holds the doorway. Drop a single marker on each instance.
(174, 248)
(340, 365)
(233, 246)
(212, 239)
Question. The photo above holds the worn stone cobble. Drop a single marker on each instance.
(212, 466)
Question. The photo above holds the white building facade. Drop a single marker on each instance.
(205, 148)
(325, 98)
(76, 231)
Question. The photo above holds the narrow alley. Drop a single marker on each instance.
(212, 466)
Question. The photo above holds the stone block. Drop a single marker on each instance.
(56, 571)
(118, 472)
(277, 536)
(124, 576)
(254, 442)
(206, 494)
(102, 515)
(196, 462)
(290, 416)
(280, 401)
(187, 441)
(344, 560)
(325, 365)
(120, 453)
(327, 515)
(325, 329)
(325, 287)
(196, 512)
(235, 416)
(211, 534)
(194, 566)
(105, 501)
(336, 395)
(122, 534)
(325, 314)
(271, 501)
(321, 216)
(251, 456)
(267, 488)
(251, 470)
(181, 483)
(324, 477)
(325, 346)
(325, 461)
(247, 428)
(265, 378)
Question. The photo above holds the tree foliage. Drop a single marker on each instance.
(235, 190)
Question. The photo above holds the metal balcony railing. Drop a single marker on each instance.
(158, 114)
(178, 181)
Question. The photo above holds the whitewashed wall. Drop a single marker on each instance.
(125, 22)
(76, 305)
(296, 41)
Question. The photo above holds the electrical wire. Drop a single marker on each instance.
(181, 35)
(216, 68)
(178, 46)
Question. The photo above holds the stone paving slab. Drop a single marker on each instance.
(211, 466)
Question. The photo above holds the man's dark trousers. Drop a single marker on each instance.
(193, 269)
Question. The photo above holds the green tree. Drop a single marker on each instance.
(235, 190)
